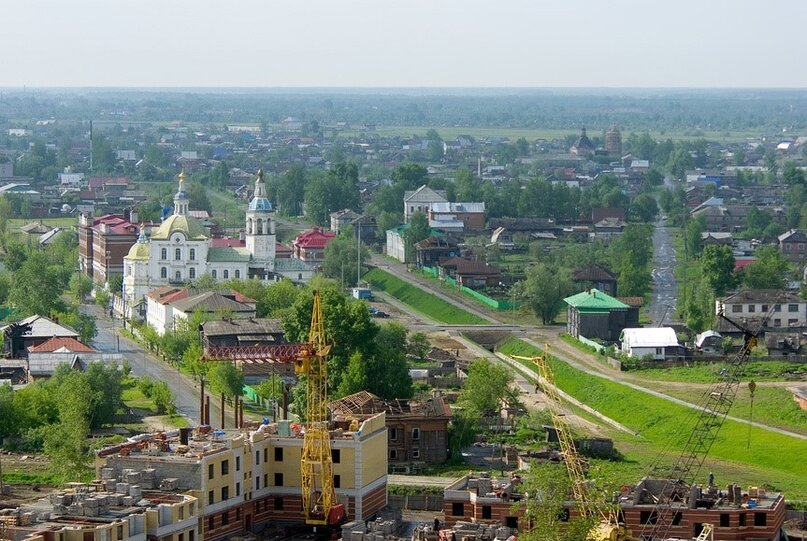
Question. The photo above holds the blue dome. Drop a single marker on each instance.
(260, 204)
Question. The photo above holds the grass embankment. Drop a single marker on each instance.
(62, 221)
(143, 406)
(425, 303)
(774, 460)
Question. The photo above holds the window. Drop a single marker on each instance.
(278, 479)
(337, 481)
(210, 471)
(190, 535)
(191, 273)
(164, 254)
(238, 489)
(225, 493)
(393, 454)
(648, 517)
(192, 254)
(393, 434)
(211, 499)
(265, 479)
(742, 519)
(163, 272)
(415, 433)
(415, 453)
(177, 254)
(225, 518)
(265, 455)
(752, 308)
(792, 322)
(258, 482)
(760, 519)
(226, 274)
(777, 307)
(676, 519)
(120, 532)
(178, 276)
(278, 504)
(181, 537)
(659, 351)
(777, 322)
(457, 509)
(211, 525)
(792, 307)
(511, 522)
(213, 274)
(237, 273)
(278, 454)
(724, 520)
(736, 308)
(181, 513)
(225, 467)
(486, 512)
(238, 463)
(336, 455)
(128, 270)
(258, 457)
(764, 308)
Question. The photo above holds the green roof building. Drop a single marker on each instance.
(597, 315)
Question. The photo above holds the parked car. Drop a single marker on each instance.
(375, 312)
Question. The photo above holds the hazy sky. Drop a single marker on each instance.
(534, 43)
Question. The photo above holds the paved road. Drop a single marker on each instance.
(662, 303)
(144, 363)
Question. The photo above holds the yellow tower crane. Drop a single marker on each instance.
(319, 498)
(608, 529)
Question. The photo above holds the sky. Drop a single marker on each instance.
(412, 43)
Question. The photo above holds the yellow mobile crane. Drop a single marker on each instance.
(319, 498)
(608, 529)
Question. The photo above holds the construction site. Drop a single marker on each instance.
(328, 475)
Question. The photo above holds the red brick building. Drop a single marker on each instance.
(309, 246)
(102, 244)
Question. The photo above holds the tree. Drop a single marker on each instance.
(80, 286)
(163, 398)
(418, 345)
(65, 442)
(197, 197)
(225, 378)
(487, 387)
(337, 189)
(547, 512)
(36, 286)
(83, 324)
(409, 175)
(768, 271)
(692, 240)
(341, 254)
(544, 290)
(644, 208)
(417, 230)
(468, 186)
(718, 268)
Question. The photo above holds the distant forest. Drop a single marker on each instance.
(758, 111)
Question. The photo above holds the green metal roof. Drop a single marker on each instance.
(595, 301)
(189, 226)
(228, 254)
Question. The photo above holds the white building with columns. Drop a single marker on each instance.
(181, 250)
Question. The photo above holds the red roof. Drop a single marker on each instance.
(61, 342)
(227, 242)
(100, 182)
(740, 264)
(315, 238)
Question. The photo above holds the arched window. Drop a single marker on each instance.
(260, 226)
(193, 254)
(164, 254)
(163, 272)
(178, 276)
(178, 254)
(249, 226)
(226, 274)
(128, 270)
(237, 273)
(213, 274)
(191, 273)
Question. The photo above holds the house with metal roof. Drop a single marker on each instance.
(658, 343)
(594, 314)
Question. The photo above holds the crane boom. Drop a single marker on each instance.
(717, 402)
(608, 527)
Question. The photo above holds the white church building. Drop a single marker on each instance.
(181, 250)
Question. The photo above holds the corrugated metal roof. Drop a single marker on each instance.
(594, 300)
(649, 337)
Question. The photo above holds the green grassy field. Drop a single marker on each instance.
(707, 372)
(61, 221)
(773, 460)
(423, 302)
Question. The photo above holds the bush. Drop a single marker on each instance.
(163, 398)
(146, 386)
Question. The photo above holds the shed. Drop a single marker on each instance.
(656, 342)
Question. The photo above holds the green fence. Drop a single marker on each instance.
(484, 299)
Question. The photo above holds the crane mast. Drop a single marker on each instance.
(318, 495)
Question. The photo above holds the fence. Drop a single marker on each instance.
(484, 299)
(418, 502)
